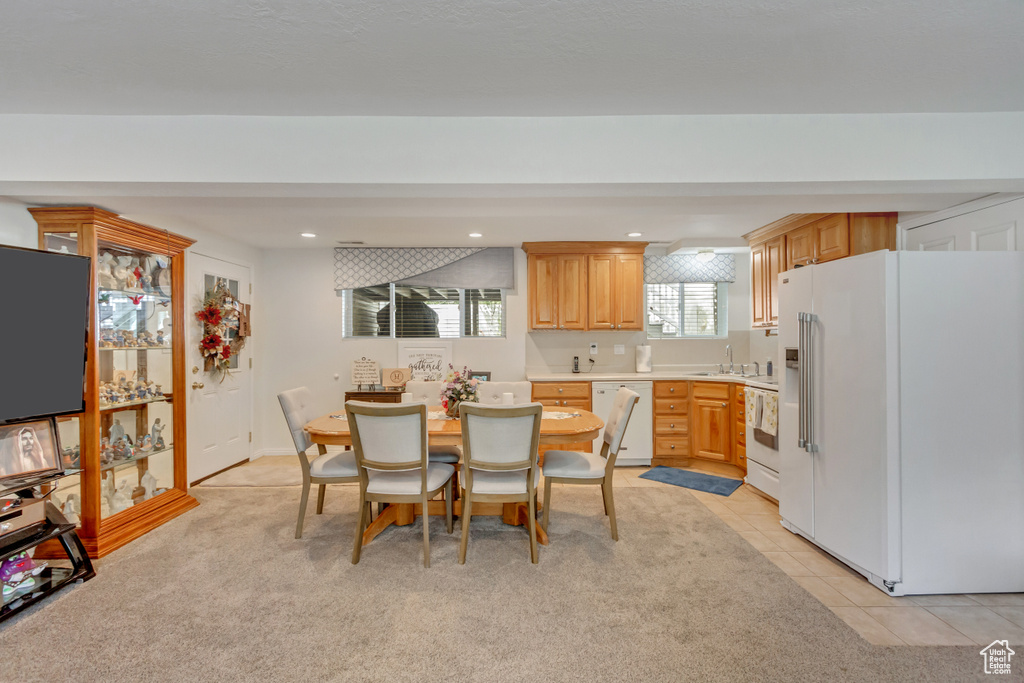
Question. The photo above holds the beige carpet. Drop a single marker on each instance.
(257, 475)
(225, 593)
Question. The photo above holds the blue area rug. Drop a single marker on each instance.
(693, 480)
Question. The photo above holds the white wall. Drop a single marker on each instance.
(302, 344)
(17, 227)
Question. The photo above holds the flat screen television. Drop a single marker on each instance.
(29, 453)
(44, 321)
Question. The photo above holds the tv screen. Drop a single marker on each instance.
(44, 309)
(29, 452)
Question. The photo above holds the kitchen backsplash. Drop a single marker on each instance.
(553, 351)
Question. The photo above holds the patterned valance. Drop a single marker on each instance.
(689, 268)
(469, 268)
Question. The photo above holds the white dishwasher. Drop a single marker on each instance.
(637, 444)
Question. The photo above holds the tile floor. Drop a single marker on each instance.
(877, 617)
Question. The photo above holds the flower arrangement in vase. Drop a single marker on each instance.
(457, 387)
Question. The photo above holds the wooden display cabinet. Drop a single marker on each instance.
(138, 332)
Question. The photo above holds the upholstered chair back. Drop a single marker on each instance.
(297, 405)
(388, 436)
(490, 393)
(500, 437)
(423, 392)
(615, 427)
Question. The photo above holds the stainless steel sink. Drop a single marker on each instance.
(705, 374)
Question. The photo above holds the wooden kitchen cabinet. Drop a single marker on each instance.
(564, 395)
(557, 291)
(804, 239)
(739, 424)
(712, 421)
(671, 424)
(585, 285)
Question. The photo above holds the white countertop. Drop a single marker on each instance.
(759, 381)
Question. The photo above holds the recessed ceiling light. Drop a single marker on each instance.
(308, 234)
(475, 234)
(634, 234)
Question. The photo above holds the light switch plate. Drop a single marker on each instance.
(620, 349)
(593, 349)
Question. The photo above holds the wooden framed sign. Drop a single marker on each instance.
(365, 371)
(396, 377)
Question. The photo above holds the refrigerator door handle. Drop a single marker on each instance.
(810, 446)
(801, 398)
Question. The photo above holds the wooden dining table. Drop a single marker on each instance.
(581, 425)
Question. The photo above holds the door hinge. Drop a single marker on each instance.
(250, 288)
(250, 437)
(250, 363)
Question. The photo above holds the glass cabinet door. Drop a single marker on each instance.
(134, 316)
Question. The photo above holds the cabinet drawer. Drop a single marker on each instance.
(561, 390)
(671, 389)
(741, 457)
(565, 402)
(671, 445)
(741, 433)
(711, 390)
(671, 406)
(671, 425)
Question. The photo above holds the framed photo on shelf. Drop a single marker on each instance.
(482, 375)
(29, 449)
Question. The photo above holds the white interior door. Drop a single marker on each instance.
(219, 407)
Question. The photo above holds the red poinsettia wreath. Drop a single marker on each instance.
(219, 315)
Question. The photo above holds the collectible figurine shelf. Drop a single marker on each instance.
(130, 442)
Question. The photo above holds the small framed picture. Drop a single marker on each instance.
(29, 449)
(482, 375)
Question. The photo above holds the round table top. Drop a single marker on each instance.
(582, 426)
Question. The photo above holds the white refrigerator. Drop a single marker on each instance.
(901, 422)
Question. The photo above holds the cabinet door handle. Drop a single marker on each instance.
(671, 426)
(671, 390)
(197, 385)
(725, 405)
(671, 407)
(560, 390)
(672, 447)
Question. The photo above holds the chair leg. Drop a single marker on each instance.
(320, 499)
(426, 532)
(302, 508)
(547, 504)
(357, 546)
(467, 508)
(531, 523)
(448, 505)
(609, 505)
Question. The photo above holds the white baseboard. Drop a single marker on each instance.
(272, 451)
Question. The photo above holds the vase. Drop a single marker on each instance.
(453, 409)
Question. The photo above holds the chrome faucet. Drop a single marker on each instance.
(757, 368)
(728, 352)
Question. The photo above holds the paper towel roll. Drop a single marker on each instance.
(643, 358)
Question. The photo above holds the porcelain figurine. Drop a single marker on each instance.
(116, 431)
(160, 341)
(104, 274)
(106, 452)
(72, 508)
(157, 433)
(148, 482)
(146, 443)
(120, 271)
(122, 498)
(159, 390)
(120, 449)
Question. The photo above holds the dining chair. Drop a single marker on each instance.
(500, 448)
(492, 393)
(390, 442)
(429, 393)
(573, 467)
(326, 468)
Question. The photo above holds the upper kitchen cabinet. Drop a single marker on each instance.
(615, 291)
(585, 285)
(804, 239)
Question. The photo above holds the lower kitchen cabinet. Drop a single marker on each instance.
(671, 424)
(565, 395)
(739, 423)
(712, 420)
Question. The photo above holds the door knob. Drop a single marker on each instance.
(197, 385)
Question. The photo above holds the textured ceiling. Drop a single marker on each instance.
(509, 57)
